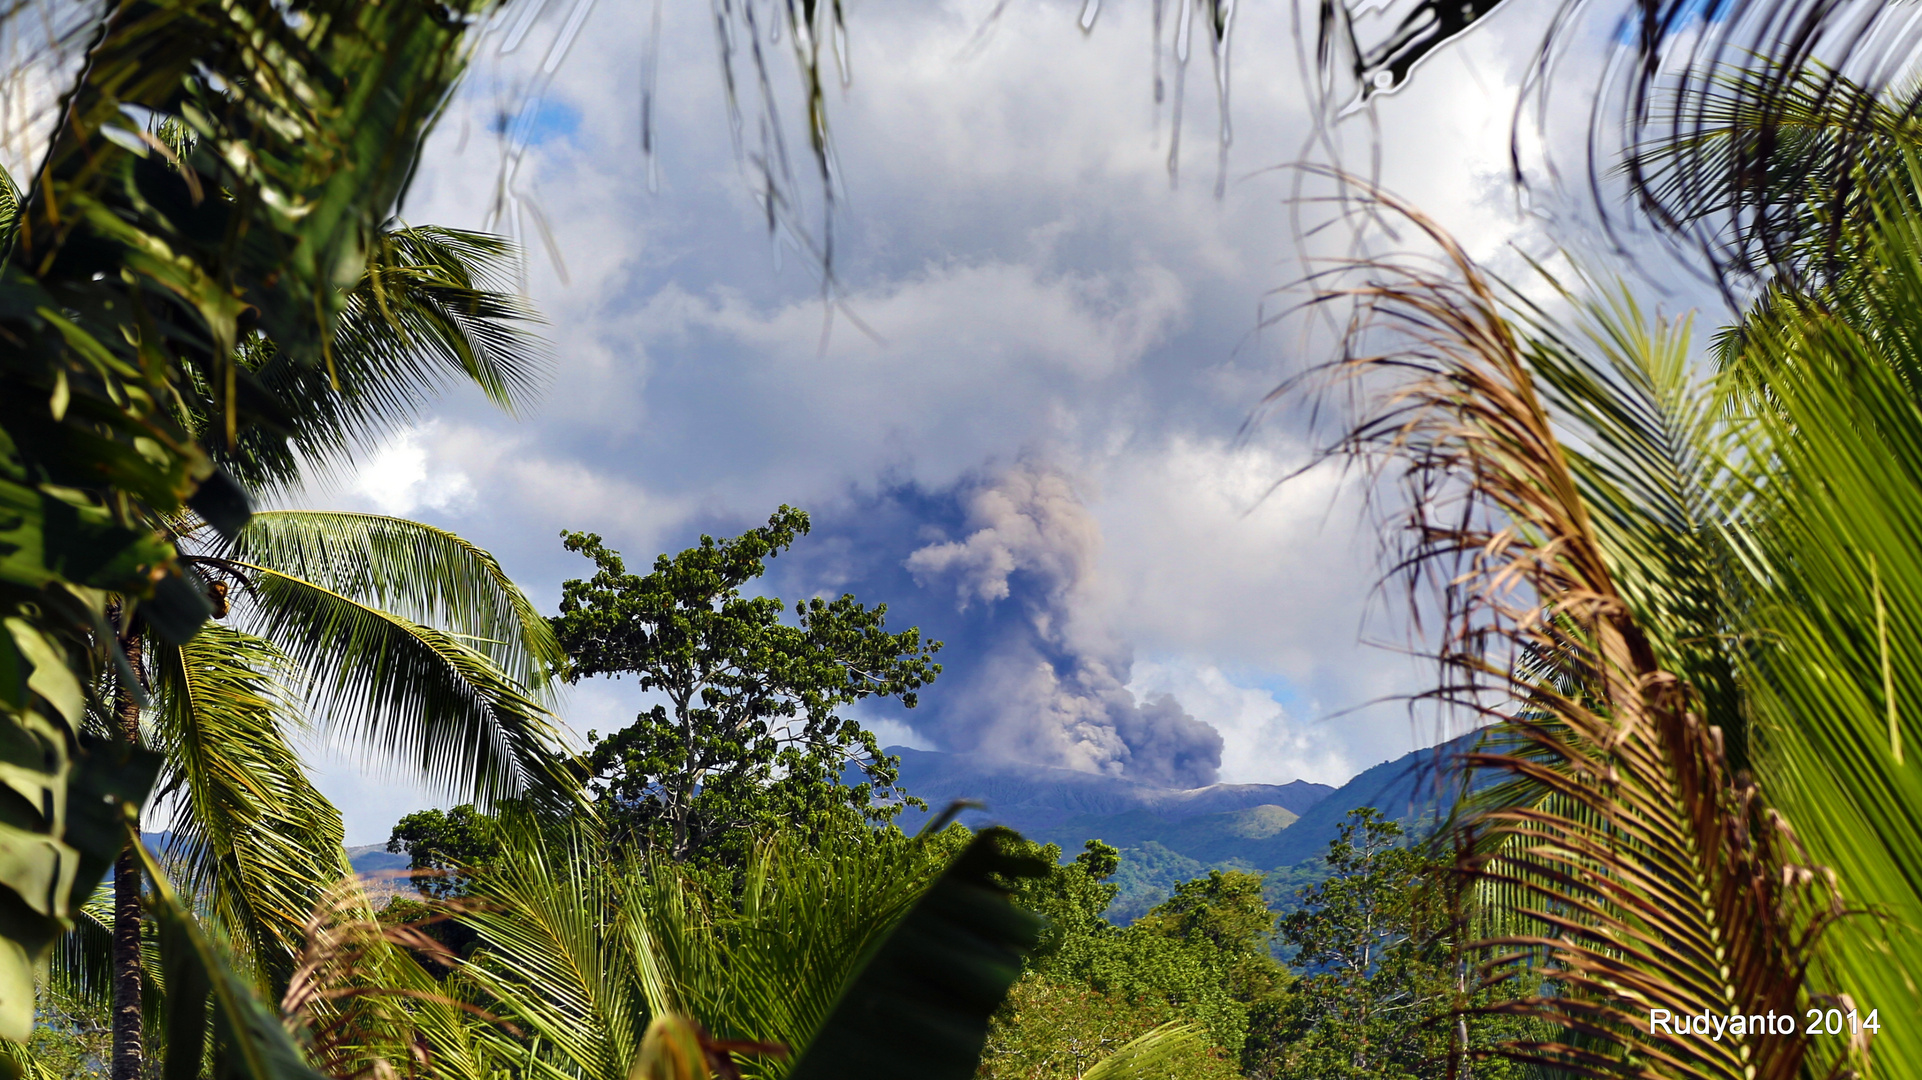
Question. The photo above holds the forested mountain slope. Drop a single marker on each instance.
(1169, 835)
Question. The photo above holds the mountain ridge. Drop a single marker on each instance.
(1031, 798)
(1170, 835)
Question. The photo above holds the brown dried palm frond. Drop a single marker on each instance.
(1628, 866)
(358, 1002)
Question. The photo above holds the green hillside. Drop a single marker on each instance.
(1159, 851)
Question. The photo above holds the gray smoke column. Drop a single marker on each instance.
(1052, 690)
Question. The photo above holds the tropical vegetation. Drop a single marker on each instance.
(1677, 591)
(180, 309)
(389, 634)
(752, 736)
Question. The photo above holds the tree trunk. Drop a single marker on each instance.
(127, 1034)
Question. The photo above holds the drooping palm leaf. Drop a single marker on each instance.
(257, 842)
(1788, 164)
(390, 686)
(1674, 73)
(248, 1041)
(82, 967)
(434, 307)
(1654, 875)
(414, 570)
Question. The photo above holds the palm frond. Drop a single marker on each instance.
(1150, 1054)
(82, 965)
(1833, 662)
(424, 574)
(921, 999)
(257, 842)
(1794, 76)
(434, 308)
(391, 686)
(1661, 468)
(808, 917)
(441, 298)
(559, 961)
(248, 1042)
(137, 272)
(1788, 166)
(1656, 876)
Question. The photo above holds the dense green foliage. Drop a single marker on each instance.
(1379, 991)
(444, 848)
(1201, 957)
(133, 274)
(1052, 1030)
(839, 948)
(1372, 990)
(751, 736)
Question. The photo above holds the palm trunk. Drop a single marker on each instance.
(127, 1034)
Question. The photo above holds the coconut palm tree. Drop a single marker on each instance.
(1680, 596)
(257, 838)
(373, 633)
(139, 273)
(393, 637)
(376, 634)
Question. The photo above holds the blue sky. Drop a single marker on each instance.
(1039, 456)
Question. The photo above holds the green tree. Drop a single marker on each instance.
(72, 1040)
(1227, 910)
(1227, 914)
(1376, 975)
(1199, 958)
(446, 850)
(751, 735)
(445, 847)
(1072, 898)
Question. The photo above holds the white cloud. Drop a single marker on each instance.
(1262, 743)
(967, 362)
(1219, 553)
(891, 732)
(397, 481)
(1040, 294)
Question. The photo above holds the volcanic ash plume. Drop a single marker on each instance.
(1053, 689)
